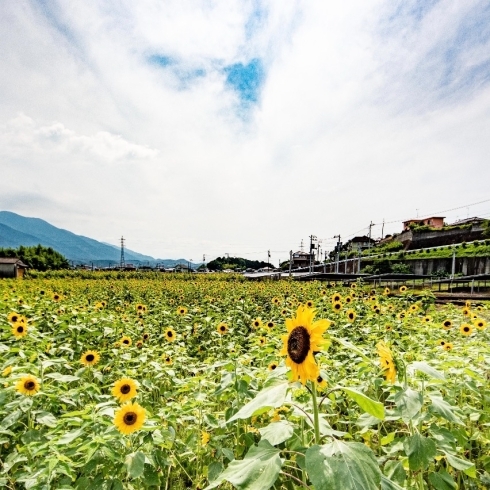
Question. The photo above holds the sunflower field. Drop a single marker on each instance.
(182, 381)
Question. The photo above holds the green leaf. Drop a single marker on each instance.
(442, 481)
(444, 409)
(63, 378)
(257, 471)
(372, 407)
(425, 368)
(387, 484)
(46, 418)
(272, 397)
(10, 419)
(69, 436)
(409, 403)
(277, 432)
(135, 464)
(463, 465)
(394, 471)
(343, 466)
(214, 469)
(420, 451)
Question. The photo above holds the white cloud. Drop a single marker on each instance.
(359, 118)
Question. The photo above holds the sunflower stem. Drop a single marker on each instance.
(316, 419)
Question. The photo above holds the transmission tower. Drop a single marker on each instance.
(123, 262)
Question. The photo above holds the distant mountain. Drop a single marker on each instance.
(16, 230)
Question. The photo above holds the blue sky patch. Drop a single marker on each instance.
(246, 80)
(160, 60)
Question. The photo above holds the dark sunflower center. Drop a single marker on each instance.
(145, 336)
(298, 344)
(222, 328)
(351, 315)
(125, 389)
(125, 341)
(130, 418)
(319, 379)
(447, 324)
(167, 359)
(443, 343)
(29, 385)
(466, 329)
(20, 329)
(270, 324)
(89, 357)
(273, 366)
(15, 318)
(170, 334)
(256, 324)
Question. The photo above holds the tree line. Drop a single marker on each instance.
(37, 257)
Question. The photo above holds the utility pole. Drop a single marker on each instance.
(268, 258)
(302, 246)
(453, 268)
(290, 261)
(312, 254)
(338, 254)
(370, 226)
(325, 261)
(383, 230)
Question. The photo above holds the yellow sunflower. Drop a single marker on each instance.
(257, 323)
(466, 311)
(448, 346)
(28, 385)
(351, 315)
(403, 289)
(387, 291)
(480, 324)
(129, 418)
(272, 366)
(276, 301)
(466, 329)
(348, 299)
(321, 383)
(262, 340)
(56, 297)
(442, 343)
(90, 358)
(7, 371)
(222, 328)
(336, 298)
(386, 360)
(309, 303)
(170, 334)
(204, 437)
(182, 310)
(414, 307)
(19, 330)
(126, 341)
(388, 327)
(427, 319)
(447, 324)
(146, 336)
(139, 344)
(167, 359)
(337, 306)
(303, 339)
(13, 317)
(124, 389)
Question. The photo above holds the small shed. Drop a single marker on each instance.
(12, 267)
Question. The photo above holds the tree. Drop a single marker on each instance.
(39, 258)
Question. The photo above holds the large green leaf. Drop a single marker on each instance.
(461, 464)
(409, 403)
(425, 368)
(442, 481)
(374, 408)
(277, 432)
(343, 466)
(257, 471)
(269, 398)
(135, 464)
(387, 484)
(444, 409)
(420, 451)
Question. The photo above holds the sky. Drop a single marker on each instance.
(198, 127)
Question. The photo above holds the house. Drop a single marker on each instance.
(468, 221)
(433, 221)
(360, 243)
(302, 259)
(12, 267)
